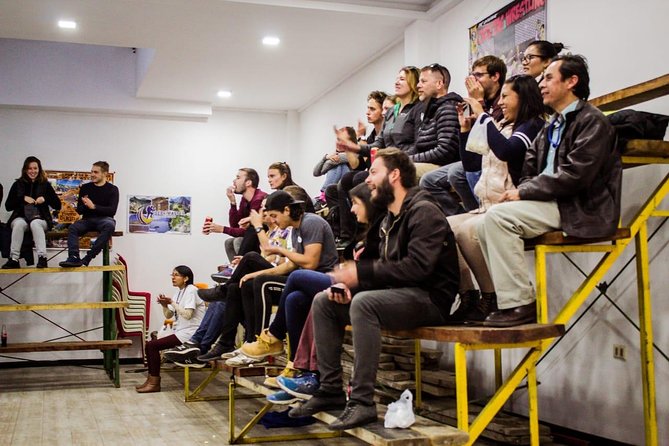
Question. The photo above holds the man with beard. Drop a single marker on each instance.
(246, 185)
(412, 283)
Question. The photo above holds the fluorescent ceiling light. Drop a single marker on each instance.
(224, 94)
(67, 24)
(271, 40)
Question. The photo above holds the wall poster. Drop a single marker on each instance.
(507, 33)
(66, 183)
(148, 214)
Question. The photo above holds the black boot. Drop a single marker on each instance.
(486, 305)
(219, 292)
(42, 263)
(468, 301)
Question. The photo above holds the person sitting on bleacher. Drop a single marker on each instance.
(571, 180)
(501, 151)
(29, 199)
(186, 310)
(412, 284)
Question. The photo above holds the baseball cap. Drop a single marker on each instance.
(278, 200)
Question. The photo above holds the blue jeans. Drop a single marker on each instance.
(472, 179)
(437, 184)
(333, 175)
(210, 327)
(458, 179)
(104, 225)
(295, 304)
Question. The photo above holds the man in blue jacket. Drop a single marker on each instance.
(571, 180)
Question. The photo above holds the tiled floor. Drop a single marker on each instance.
(79, 406)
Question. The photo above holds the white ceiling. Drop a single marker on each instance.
(202, 46)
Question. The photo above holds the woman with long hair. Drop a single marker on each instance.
(186, 310)
(29, 200)
(279, 176)
(503, 155)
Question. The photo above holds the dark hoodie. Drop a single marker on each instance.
(416, 249)
(437, 131)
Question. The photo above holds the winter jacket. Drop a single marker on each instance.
(416, 248)
(438, 132)
(395, 132)
(588, 174)
(21, 188)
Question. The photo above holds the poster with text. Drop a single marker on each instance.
(508, 32)
(66, 183)
(149, 214)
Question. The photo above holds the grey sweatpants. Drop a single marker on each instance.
(393, 309)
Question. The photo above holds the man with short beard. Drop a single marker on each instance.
(412, 283)
(245, 184)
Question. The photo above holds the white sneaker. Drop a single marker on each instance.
(231, 354)
(242, 360)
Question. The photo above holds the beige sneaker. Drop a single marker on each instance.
(288, 372)
(265, 345)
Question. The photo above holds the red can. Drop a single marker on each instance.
(207, 220)
(372, 154)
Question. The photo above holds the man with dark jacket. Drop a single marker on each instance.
(437, 129)
(413, 283)
(571, 181)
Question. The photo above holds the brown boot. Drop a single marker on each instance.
(152, 385)
(486, 305)
(144, 384)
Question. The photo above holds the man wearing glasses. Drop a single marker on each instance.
(571, 181)
(437, 129)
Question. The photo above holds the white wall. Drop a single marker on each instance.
(582, 386)
(149, 156)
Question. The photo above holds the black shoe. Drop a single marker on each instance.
(175, 355)
(213, 354)
(319, 402)
(42, 263)
(486, 305)
(191, 362)
(86, 260)
(213, 294)
(468, 301)
(356, 414)
(510, 317)
(71, 262)
(11, 264)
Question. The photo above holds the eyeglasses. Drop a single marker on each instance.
(479, 75)
(528, 57)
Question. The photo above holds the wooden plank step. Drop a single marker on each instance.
(65, 346)
(81, 269)
(63, 306)
(52, 235)
(636, 94)
(486, 335)
(559, 238)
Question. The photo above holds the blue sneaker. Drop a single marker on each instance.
(302, 386)
(282, 398)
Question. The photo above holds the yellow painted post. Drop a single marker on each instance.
(461, 386)
(186, 383)
(231, 411)
(542, 286)
(533, 404)
(646, 335)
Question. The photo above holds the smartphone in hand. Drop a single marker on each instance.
(334, 289)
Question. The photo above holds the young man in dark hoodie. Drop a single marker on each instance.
(437, 130)
(412, 283)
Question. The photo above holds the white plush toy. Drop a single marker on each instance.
(400, 413)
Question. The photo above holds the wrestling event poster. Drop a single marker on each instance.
(507, 33)
(148, 214)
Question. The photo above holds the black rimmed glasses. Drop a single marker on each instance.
(527, 58)
(478, 75)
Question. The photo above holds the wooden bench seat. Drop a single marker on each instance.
(559, 238)
(65, 346)
(483, 335)
(54, 235)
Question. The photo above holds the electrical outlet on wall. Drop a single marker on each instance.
(619, 352)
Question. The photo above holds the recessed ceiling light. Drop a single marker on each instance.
(67, 24)
(271, 40)
(224, 93)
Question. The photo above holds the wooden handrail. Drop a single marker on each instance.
(636, 94)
